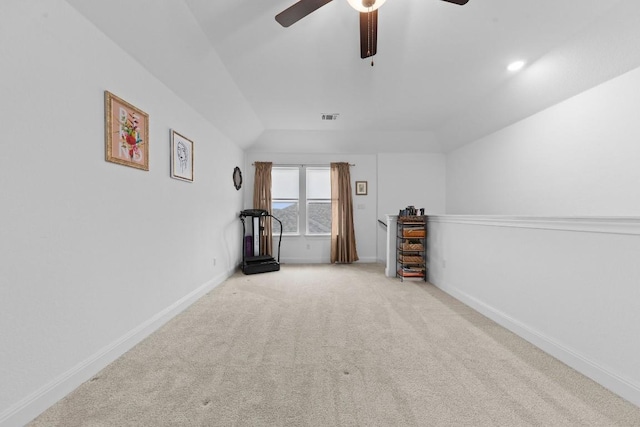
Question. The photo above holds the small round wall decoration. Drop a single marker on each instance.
(237, 178)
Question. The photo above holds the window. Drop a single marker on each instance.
(289, 187)
(318, 200)
(285, 193)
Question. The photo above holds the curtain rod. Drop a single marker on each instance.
(302, 164)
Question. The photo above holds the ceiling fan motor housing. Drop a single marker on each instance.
(368, 19)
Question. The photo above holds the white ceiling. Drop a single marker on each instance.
(439, 80)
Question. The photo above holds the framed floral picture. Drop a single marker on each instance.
(126, 133)
(181, 157)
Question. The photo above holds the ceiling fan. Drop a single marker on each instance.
(368, 19)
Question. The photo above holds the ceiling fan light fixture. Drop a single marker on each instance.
(366, 5)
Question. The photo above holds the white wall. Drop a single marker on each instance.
(405, 179)
(395, 180)
(317, 249)
(166, 38)
(334, 139)
(579, 157)
(568, 285)
(416, 179)
(565, 277)
(94, 255)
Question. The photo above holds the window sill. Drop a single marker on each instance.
(312, 236)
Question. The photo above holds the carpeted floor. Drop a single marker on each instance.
(336, 345)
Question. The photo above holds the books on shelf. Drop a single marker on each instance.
(411, 272)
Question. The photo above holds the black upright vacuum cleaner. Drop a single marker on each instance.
(252, 261)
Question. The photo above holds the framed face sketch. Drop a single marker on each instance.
(126, 133)
(361, 188)
(181, 157)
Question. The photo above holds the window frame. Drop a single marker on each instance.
(315, 200)
(303, 209)
(287, 200)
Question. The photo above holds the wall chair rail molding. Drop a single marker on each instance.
(592, 224)
(568, 285)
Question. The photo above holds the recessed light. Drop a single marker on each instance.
(515, 66)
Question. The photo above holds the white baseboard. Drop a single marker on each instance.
(599, 374)
(362, 260)
(368, 260)
(284, 261)
(33, 405)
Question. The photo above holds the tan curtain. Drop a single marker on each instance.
(343, 237)
(262, 200)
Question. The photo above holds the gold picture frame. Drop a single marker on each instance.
(126, 133)
(361, 188)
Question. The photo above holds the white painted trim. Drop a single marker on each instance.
(33, 405)
(390, 267)
(572, 358)
(368, 260)
(362, 260)
(304, 261)
(608, 225)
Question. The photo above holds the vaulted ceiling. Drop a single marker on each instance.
(439, 80)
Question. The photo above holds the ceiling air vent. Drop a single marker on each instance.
(332, 116)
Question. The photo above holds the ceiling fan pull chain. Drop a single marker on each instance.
(369, 32)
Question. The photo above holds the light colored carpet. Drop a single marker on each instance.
(336, 345)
